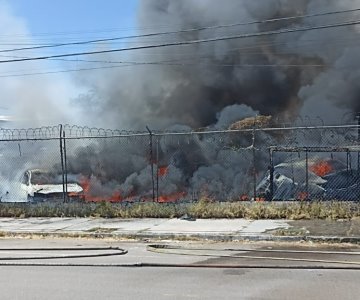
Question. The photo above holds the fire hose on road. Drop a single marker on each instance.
(166, 249)
(98, 252)
(322, 264)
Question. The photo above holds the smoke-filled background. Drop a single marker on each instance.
(305, 73)
(311, 73)
(286, 76)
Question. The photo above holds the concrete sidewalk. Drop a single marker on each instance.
(207, 229)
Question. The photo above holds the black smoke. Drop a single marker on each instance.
(312, 73)
(191, 85)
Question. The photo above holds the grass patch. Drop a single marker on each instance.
(290, 232)
(102, 230)
(204, 209)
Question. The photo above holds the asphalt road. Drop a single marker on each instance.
(80, 282)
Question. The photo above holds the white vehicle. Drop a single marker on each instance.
(42, 185)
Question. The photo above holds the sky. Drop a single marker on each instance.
(43, 16)
(25, 23)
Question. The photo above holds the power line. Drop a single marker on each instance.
(170, 62)
(181, 31)
(165, 63)
(182, 43)
(305, 43)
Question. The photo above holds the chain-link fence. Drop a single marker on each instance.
(246, 164)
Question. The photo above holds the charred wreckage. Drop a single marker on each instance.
(311, 179)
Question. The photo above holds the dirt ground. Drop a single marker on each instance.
(346, 228)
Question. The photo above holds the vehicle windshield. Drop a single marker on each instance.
(45, 178)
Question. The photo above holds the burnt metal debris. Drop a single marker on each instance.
(314, 162)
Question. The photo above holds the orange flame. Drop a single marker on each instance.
(302, 196)
(244, 197)
(321, 168)
(88, 196)
(260, 199)
(73, 194)
(172, 197)
(162, 171)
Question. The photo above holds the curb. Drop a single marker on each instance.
(186, 237)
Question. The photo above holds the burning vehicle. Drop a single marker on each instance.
(324, 180)
(41, 185)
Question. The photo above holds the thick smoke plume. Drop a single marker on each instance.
(197, 82)
(213, 85)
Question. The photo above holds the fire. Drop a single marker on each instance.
(162, 171)
(88, 196)
(73, 194)
(171, 198)
(260, 199)
(321, 168)
(116, 196)
(302, 196)
(244, 197)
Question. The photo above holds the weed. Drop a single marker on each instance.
(102, 230)
(204, 209)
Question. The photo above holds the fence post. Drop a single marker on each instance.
(307, 174)
(62, 162)
(254, 160)
(151, 161)
(65, 168)
(271, 151)
(157, 169)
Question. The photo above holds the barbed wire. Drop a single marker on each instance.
(54, 132)
(84, 132)
(76, 131)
